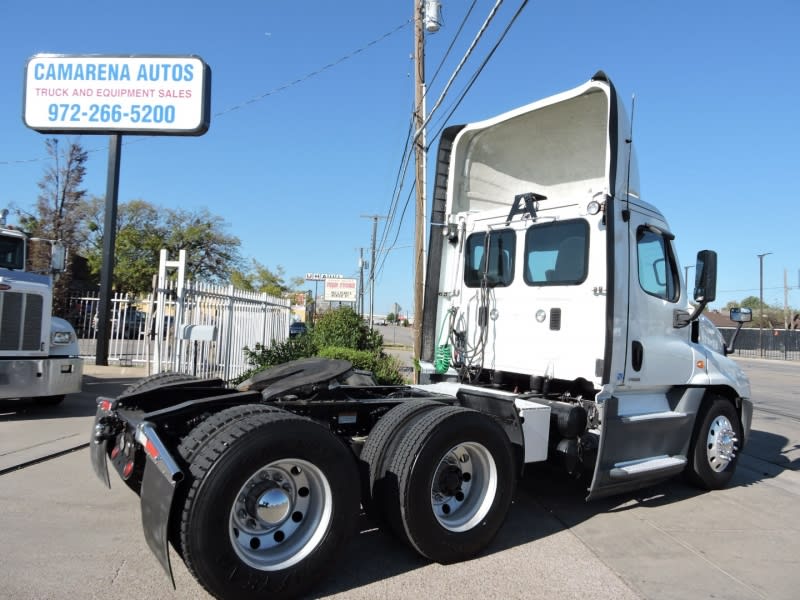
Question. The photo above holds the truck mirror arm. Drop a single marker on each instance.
(732, 348)
(696, 313)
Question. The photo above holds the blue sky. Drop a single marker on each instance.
(292, 173)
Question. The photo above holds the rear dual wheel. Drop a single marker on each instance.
(273, 498)
(449, 483)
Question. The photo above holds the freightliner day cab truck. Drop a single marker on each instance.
(39, 356)
(556, 327)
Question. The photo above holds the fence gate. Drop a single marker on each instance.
(187, 327)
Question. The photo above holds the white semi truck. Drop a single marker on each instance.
(39, 355)
(556, 327)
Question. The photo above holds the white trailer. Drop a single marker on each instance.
(556, 327)
(39, 355)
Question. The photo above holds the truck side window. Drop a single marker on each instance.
(658, 271)
(498, 271)
(557, 253)
(11, 253)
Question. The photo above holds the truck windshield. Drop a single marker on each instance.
(12, 252)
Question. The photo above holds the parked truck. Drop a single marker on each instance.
(556, 327)
(39, 355)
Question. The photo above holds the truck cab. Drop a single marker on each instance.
(39, 355)
(549, 275)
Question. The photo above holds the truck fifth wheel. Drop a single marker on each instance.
(556, 327)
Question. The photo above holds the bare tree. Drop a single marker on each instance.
(60, 210)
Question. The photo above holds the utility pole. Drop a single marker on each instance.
(361, 282)
(419, 153)
(372, 265)
(761, 301)
(785, 299)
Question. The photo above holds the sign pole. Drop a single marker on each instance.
(109, 240)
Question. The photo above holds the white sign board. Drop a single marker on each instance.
(340, 290)
(163, 95)
(322, 276)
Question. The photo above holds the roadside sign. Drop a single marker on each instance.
(141, 95)
(340, 290)
(322, 276)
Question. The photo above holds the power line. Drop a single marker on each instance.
(462, 95)
(452, 43)
(409, 142)
(460, 65)
(479, 70)
(252, 100)
(319, 71)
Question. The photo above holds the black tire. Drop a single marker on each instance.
(50, 400)
(454, 475)
(191, 445)
(714, 450)
(274, 498)
(379, 449)
(152, 382)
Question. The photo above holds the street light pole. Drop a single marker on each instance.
(761, 301)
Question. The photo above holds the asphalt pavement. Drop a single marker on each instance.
(63, 535)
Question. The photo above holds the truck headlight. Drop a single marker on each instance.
(61, 337)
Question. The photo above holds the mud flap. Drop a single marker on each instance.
(97, 453)
(156, 496)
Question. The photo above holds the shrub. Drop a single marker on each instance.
(386, 368)
(343, 328)
(339, 334)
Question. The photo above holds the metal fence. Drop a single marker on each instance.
(196, 328)
(782, 344)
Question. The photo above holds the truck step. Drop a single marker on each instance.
(658, 465)
(658, 416)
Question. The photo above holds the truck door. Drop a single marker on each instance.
(645, 428)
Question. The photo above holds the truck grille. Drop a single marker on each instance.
(20, 321)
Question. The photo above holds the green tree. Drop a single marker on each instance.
(143, 229)
(259, 278)
(138, 241)
(211, 253)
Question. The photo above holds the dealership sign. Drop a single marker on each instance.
(340, 290)
(140, 95)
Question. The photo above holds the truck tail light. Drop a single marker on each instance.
(127, 470)
(151, 450)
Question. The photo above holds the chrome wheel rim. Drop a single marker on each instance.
(280, 514)
(721, 443)
(464, 486)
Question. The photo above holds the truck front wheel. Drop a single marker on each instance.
(454, 476)
(274, 497)
(714, 450)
